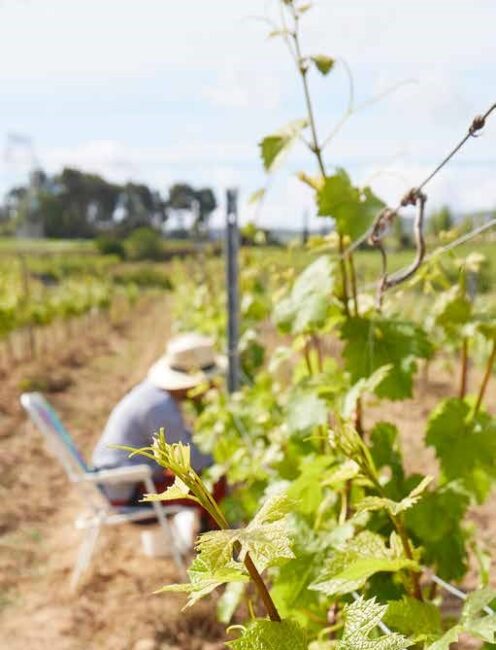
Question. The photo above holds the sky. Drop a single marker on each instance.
(161, 91)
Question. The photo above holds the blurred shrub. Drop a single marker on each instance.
(142, 276)
(108, 245)
(144, 244)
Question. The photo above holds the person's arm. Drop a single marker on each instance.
(168, 416)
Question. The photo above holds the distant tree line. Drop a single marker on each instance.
(76, 204)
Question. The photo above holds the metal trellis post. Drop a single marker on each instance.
(232, 247)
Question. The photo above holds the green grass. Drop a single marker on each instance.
(34, 246)
(367, 262)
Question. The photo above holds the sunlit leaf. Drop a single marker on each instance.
(261, 634)
(323, 63)
(352, 209)
(360, 620)
(273, 146)
(376, 342)
(362, 557)
(394, 507)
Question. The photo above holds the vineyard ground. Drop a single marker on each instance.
(115, 607)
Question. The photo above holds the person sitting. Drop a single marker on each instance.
(155, 402)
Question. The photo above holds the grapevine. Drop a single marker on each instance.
(347, 548)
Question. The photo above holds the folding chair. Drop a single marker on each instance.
(99, 511)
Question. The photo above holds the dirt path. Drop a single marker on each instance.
(114, 607)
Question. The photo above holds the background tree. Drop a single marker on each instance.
(75, 204)
(439, 221)
(185, 202)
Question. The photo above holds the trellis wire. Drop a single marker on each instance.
(458, 593)
(440, 250)
(455, 591)
(477, 124)
(461, 240)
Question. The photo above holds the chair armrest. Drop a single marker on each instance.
(130, 474)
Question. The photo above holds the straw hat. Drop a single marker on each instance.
(189, 361)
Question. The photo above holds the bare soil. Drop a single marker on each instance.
(114, 607)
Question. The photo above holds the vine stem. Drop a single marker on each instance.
(464, 370)
(354, 294)
(359, 418)
(486, 378)
(399, 526)
(213, 509)
(315, 146)
(344, 274)
(317, 343)
(400, 529)
(353, 278)
(308, 361)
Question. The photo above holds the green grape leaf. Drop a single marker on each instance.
(373, 343)
(178, 490)
(305, 412)
(306, 490)
(360, 619)
(368, 504)
(205, 577)
(261, 634)
(488, 329)
(315, 182)
(449, 637)
(477, 601)
(265, 538)
(465, 445)
(307, 306)
(436, 518)
(290, 588)
(350, 568)
(323, 63)
(452, 309)
(273, 146)
(344, 472)
(321, 645)
(474, 621)
(352, 209)
(420, 620)
(384, 448)
(362, 386)
(274, 509)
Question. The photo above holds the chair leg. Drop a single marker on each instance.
(173, 540)
(85, 554)
(167, 530)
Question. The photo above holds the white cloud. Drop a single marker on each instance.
(244, 89)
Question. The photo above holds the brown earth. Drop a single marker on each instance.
(114, 607)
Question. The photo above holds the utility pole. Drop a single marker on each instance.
(232, 248)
